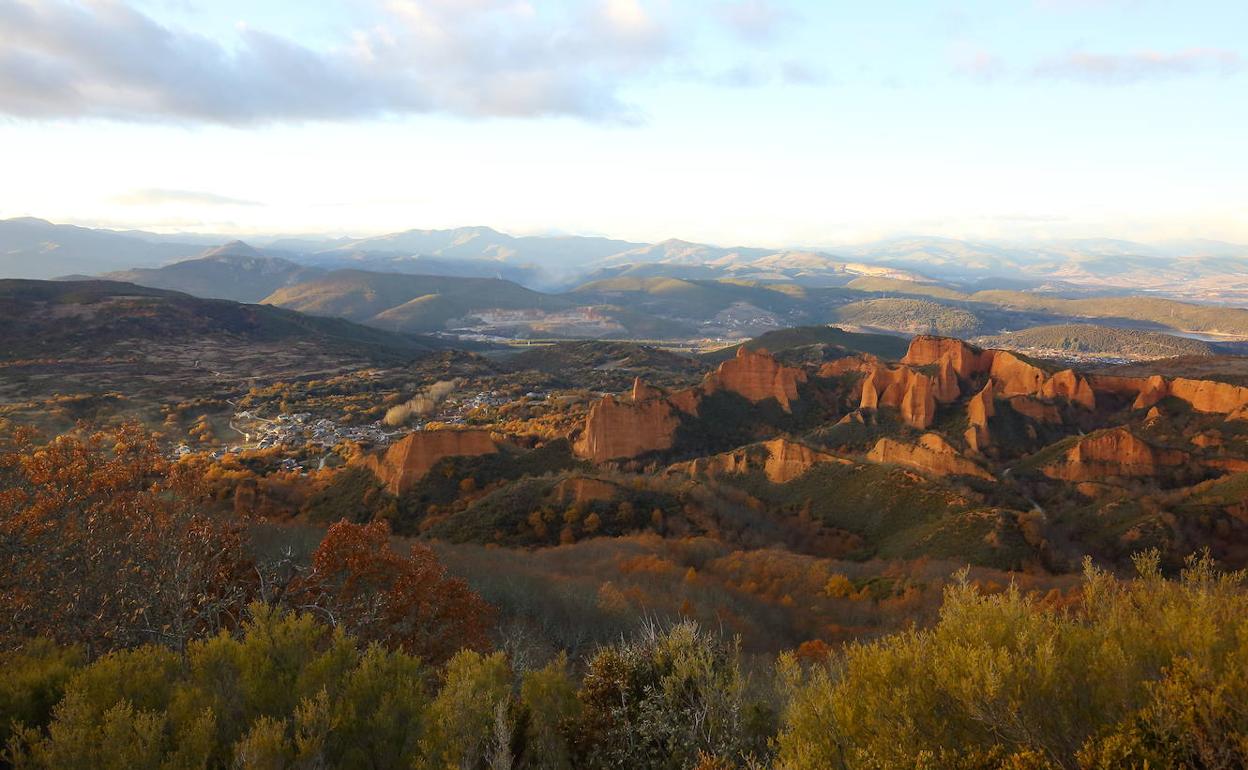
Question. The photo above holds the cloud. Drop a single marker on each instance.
(1109, 69)
(757, 75)
(755, 21)
(102, 58)
(979, 64)
(160, 197)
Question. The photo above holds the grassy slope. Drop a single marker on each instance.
(47, 316)
(883, 345)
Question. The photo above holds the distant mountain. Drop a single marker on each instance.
(99, 319)
(409, 303)
(234, 271)
(1203, 270)
(33, 248)
(556, 255)
(1197, 270)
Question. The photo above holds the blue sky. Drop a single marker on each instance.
(732, 121)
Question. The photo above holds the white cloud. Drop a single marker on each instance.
(1112, 69)
(101, 58)
(755, 21)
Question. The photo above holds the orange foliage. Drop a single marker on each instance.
(380, 595)
(103, 542)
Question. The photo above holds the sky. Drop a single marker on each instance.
(759, 122)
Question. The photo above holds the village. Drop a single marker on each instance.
(300, 430)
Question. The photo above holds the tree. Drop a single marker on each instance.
(105, 542)
(403, 602)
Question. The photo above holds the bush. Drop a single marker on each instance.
(1145, 673)
(664, 700)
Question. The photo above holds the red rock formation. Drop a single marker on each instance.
(787, 460)
(932, 454)
(757, 376)
(910, 391)
(616, 429)
(1014, 376)
(1210, 396)
(1036, 409)
(780, 459)
(408, 460)
(858, 363)
(1117, 452)
(965, 360)
(982, 406)
(580, 489)
(1070, 386)
(1206, 396)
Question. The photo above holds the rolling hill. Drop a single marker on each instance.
(884, 346)
(1104, 340)
(234, 271)
(408, 303)
(57, 319)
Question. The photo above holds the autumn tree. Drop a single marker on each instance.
(404, 602)
(106, 543)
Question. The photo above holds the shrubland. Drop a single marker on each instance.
(145, 625)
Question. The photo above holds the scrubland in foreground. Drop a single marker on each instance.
(143, 629)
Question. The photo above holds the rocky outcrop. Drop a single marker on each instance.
(932, 455)
(408, 460)
(1113, 453)
(964, 360)
(1040, 411)
(1206, 396)
(1210, 396)
(859, 363)
(1014, 376)
(781, 461)
(1066, 384)
(757, 376)
(787, 460)
(982, 406)
(957, 361)
(908, 390)
(617, 429)
(582, 489)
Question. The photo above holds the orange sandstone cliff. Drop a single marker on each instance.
(781, 461)
(757, 376)
(408, 460)
(932, 455)
(617, 429)
(1117, 452)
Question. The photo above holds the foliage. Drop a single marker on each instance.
(379, 595)
(1145, 673)
(288, 692)
(105, 543)
(663, 700)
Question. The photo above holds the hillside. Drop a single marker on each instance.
(102, 336)
(234, 271)
(407, 303)
(597, 364)
(912, 316)
(1155, 312)
(884, 346)
(1098, 340)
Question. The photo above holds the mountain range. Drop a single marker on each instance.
(1202, 270)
